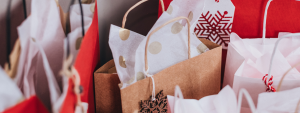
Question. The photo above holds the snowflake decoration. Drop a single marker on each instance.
(159, 105)
(215, 28)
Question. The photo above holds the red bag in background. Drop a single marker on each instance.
(31, 105)
(283, 16)
(85, 63)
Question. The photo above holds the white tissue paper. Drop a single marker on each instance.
(75, 36)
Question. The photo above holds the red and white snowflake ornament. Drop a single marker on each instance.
(215, 22)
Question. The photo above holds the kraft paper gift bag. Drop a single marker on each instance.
(224, 102)
(188, 74)
(263, 74)
(107, 91)
(123, 44)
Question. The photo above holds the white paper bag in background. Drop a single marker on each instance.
(215, 22)
(43, 25)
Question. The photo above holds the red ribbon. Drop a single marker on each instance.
(270, 88)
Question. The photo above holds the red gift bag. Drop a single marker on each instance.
(283, 16)
(86, 61)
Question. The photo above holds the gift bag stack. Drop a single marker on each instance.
(200, 56)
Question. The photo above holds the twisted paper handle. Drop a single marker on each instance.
(265, 21)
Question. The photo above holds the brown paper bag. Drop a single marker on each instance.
(198, 77)
(107, 91)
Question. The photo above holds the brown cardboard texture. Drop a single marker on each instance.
(197, 77)
(107, 91)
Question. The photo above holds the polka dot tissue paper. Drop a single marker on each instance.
(168, 46)
(123, 44)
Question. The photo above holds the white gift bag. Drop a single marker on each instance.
(215, 23)
(57, 97)
(251, 75)
(241, 49)
(43, 24)
(224, 102)
(279, 102)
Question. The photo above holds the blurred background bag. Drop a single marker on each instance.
(107, 91)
